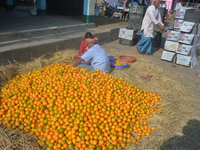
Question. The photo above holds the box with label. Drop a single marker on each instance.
(183, 60)
(127, 33)
(180, 13)
(187, 26)
(178, 23)
(173, 35)
(132, 42)
(136, 9)
(184, 49)
(171, 46)
(168, 56)
(136, 17)
(186, 38)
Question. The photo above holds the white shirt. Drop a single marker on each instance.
(151, 18)
(99, 58)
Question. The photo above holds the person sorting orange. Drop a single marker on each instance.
(94, 55)
(83, 46)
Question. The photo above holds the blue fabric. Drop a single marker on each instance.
(98, 57)
(145, 43)
(86, 66)
(134, 3)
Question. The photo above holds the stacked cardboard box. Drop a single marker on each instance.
(182, 39)
(136, 15)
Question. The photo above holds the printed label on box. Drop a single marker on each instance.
(122, 33)
(171, 46)
(126, 34)
(184, 49)
(173, 35)
(186, 38)
(187, 26)
(180, 13)
(183, 60)
(178, 23)
(167, 55)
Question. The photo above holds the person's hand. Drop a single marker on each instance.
(162, 28)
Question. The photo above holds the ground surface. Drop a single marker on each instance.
(191, 76)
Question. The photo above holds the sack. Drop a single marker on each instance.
(126, 10)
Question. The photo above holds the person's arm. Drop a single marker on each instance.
(86, 57)
(87, 62)
(78, 61)
(153, 19)
(151, 15)
(81, 48)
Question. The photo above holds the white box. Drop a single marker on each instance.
(187, 26)
(173, 35)
(126, 34)
(183, 60)
(186, 38)
(178, 23)
(168, 56)
(184, 49)
(180, 13)
(171, 46)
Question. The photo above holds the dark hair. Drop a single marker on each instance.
(88, 35)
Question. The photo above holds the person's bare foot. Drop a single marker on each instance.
(138, 49)
(147, 53)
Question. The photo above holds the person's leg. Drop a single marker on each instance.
(142, 42)
(86, 66)
(122, 15)
(125, 15)
(150, 46)
(147, 45)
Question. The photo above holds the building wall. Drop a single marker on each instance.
(65, 7)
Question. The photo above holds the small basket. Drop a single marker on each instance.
(127, 58)
(118, 66)
(113, 58)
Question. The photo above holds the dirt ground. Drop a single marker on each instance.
(191, 76)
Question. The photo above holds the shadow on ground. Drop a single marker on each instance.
(190, 140)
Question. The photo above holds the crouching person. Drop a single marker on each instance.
(94, 55)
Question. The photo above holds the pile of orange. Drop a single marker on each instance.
(71, 108)
(119, 62)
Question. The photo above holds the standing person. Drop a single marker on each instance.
(83, 46)
(125, 9)
(96, 55)
(152, 17)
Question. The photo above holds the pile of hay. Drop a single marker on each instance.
(177, 99)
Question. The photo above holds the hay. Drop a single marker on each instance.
(15, 139)
(177, 99)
